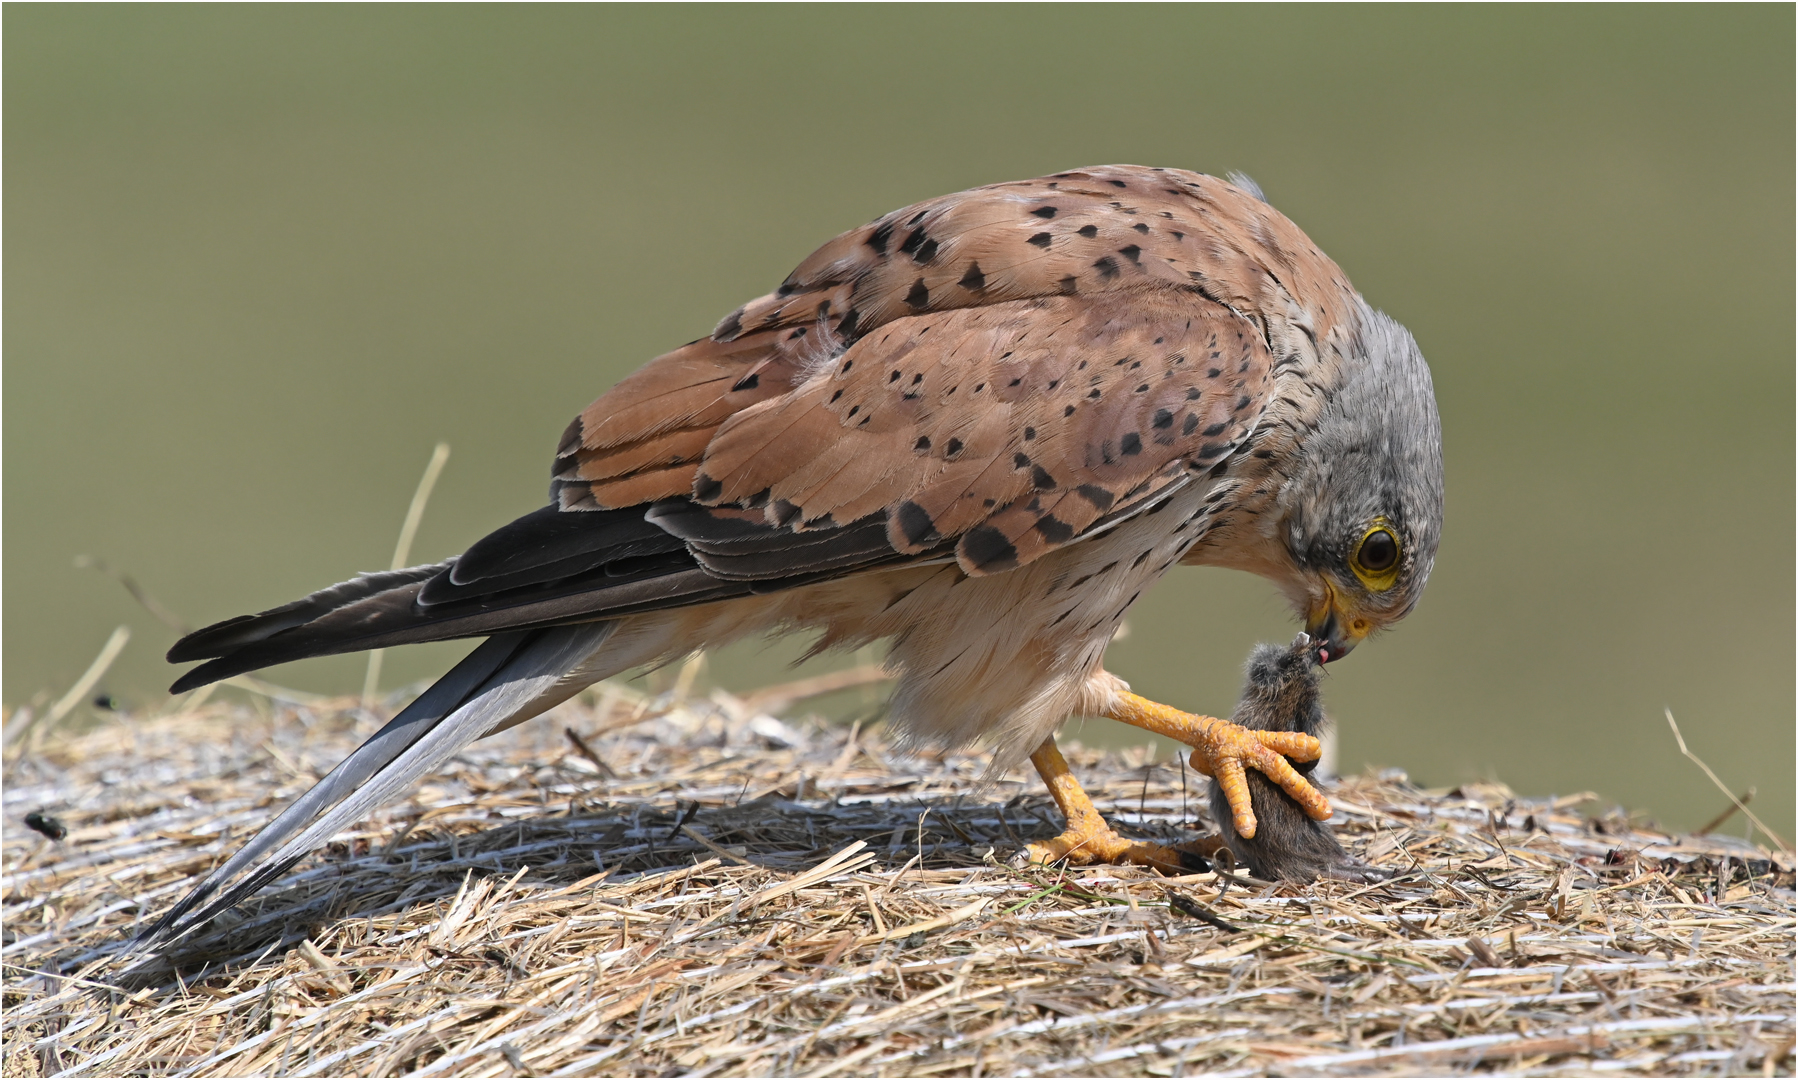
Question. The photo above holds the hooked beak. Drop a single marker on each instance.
(1333, 630)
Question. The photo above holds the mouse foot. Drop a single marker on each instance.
(1357, 873)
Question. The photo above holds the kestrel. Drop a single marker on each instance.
(977, 429)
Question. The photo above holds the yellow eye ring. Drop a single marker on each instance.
(1377, 556)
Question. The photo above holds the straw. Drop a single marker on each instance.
(1739, 803)
(525, 913)
(402, 551)
(31, 729)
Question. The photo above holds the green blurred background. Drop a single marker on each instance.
(260, 258)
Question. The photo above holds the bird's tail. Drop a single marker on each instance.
(508, 678)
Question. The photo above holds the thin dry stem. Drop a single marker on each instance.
(1740, 804)
(402, 550)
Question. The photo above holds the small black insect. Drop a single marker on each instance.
(38, 821)
(1282, 694)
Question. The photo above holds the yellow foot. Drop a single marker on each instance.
(1093, 841)
(1088, 839)
(1224, 750)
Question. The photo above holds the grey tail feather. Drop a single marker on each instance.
(220, 638)
(500, 678)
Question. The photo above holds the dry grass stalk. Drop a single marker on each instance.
(743, 896)
(402, 552)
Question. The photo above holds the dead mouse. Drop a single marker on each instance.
(1282, 694)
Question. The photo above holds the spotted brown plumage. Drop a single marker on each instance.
(977, 428)
(1007, 429)
(1177, 236)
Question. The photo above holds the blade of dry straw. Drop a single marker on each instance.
(705, 842)
(179, 625)
(958, 915)
(1716, 823)
(843, 861)
(275, 693)
(689, 671)
(35, 728)
(138, 592)
(772, 699)
(403, 550)
(1740, 805)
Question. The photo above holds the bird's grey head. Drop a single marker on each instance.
(1362, 511)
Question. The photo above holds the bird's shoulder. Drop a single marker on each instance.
(987, 295)
(1081, 233)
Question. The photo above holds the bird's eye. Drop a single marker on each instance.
(1376, 558)
(1378, 551)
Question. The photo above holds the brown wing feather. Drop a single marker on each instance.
(1012, 427)
(641, 441)
(662, 451)
(1083, 233)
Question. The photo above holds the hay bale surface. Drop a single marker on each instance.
(700, 889)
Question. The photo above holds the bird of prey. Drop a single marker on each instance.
(976, 428)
